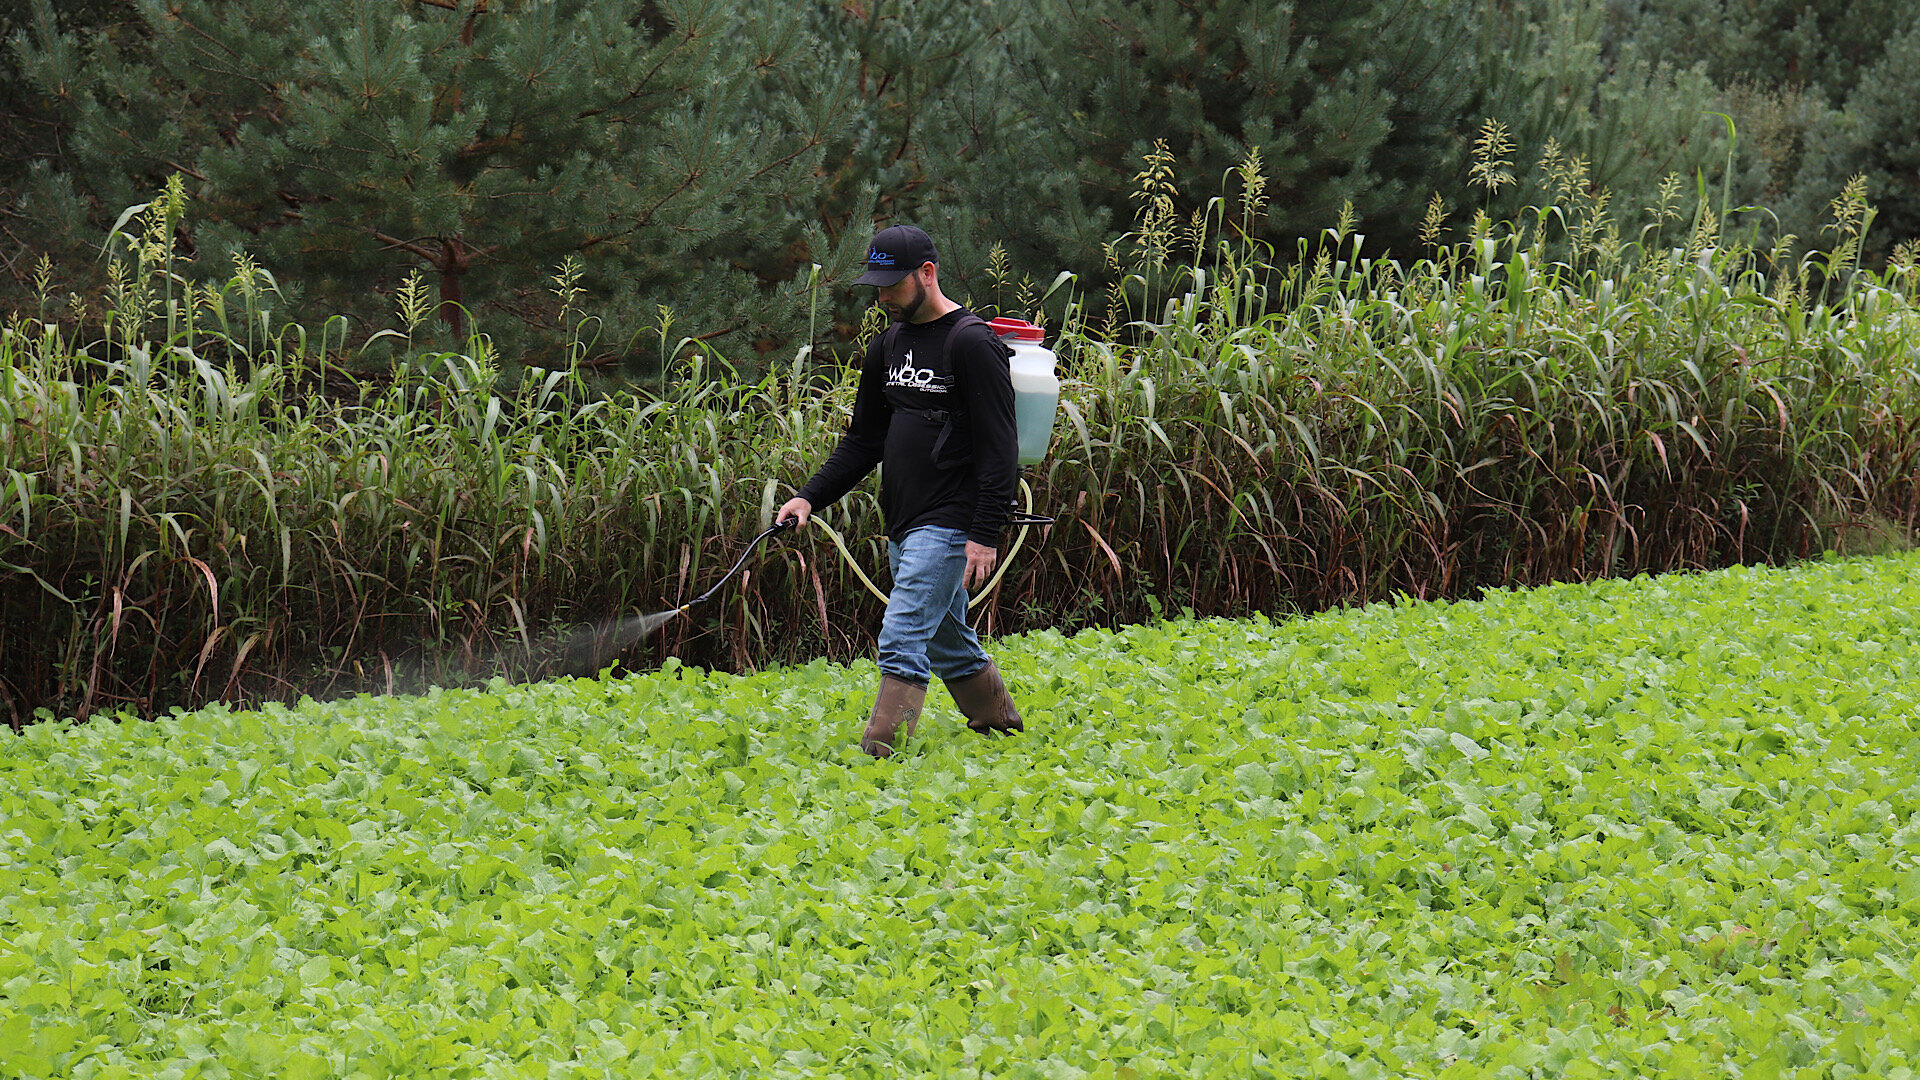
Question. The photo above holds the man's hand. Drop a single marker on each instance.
(980, 560)
(800, 510)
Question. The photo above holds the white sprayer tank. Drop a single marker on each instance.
(1036, 389)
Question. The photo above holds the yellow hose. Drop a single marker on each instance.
(992, 583)
(834, 535)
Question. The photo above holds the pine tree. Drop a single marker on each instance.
(1881, 136)
(1827, 44)
(926, 102)
(1818, 91)
(30, 127)
(1630, 123)
(1355, 102)
(478, 141)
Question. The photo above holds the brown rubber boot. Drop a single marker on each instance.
(983, 700)
(895, 712)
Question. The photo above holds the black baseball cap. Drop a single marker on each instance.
(896, 251)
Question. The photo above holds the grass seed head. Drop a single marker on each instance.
(1253, 188)
(1433, 224)
(1492, 166)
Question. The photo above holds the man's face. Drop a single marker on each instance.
(903, 299)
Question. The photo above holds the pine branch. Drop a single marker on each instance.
(781, 162)
(410, 247)
(722, 332)
(687, 182)
(639, 89)
(221, 48)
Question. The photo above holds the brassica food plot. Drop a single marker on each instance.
(1658, 827)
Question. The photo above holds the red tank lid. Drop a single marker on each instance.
(1017, 329)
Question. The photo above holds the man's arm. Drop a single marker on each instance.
(859, 450)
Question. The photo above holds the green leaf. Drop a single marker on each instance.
(1473, 750)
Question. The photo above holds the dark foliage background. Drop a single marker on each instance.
(698, 158)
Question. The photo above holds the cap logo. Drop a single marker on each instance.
(878, 257)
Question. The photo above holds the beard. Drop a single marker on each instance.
(904, 312)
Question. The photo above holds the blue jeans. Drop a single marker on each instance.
(925, 631)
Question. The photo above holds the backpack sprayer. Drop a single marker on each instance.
(1036, 400)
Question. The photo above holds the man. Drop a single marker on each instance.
(935, 411)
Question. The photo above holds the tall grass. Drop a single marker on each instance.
(1538, 400)
(185, 516)
(177, 530)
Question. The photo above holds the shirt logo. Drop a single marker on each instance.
(909, 377)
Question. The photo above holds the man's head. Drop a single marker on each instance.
(902, 266)
(895, 252)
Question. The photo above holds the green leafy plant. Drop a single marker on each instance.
(1652, 827)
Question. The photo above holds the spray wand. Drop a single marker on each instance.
(650, 623)
(589, 647)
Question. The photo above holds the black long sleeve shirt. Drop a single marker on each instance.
(913, 388)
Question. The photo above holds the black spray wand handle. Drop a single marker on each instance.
(779, 526)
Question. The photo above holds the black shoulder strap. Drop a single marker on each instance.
(959, 411)
(969, 319)
(946, 344)
(964, 321)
